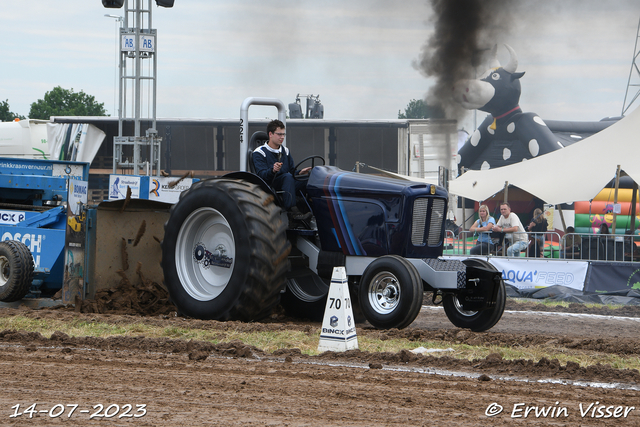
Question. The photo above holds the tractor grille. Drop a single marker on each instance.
(435, 225)
(421, 209)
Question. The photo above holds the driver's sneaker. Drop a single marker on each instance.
(296, 215)
(301, 216)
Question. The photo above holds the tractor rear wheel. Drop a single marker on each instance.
(16, 270)
(224, 252)
(390, 292)
(477, 321)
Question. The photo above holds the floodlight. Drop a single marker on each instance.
(113, 4)
(295, 112)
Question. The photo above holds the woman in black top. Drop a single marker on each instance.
(537, 226)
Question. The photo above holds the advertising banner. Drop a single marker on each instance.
(527, 274)
(613, 276)
(73, 282)
(118, 186)
(14, 217)
(161, 190)
(158, 188)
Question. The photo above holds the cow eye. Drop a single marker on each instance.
(495, 76)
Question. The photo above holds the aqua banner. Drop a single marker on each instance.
(533, 273)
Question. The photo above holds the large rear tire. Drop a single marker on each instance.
(390, 292)
(16, 270)
(477, 321)
(224, 252)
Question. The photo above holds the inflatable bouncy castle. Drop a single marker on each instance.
(591, 215)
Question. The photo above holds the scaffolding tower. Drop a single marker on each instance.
(137, 154)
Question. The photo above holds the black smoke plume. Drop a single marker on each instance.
(464, 32)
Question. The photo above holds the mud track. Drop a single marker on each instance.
(194, 383)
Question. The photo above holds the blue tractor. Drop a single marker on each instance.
(230, 252)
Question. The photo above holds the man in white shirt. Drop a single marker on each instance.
(510, 223)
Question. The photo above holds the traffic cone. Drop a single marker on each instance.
(338, 325)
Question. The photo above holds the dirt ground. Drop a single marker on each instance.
(191, 383)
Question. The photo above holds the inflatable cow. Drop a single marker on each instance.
(507, 135)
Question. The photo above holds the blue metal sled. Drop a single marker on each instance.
(33, 196)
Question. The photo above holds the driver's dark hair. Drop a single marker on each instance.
(274, 125)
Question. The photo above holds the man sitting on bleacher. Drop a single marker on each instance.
(510, 223)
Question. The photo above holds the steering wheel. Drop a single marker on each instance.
(305, 177)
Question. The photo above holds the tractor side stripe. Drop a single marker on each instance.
(335, 215)
(347, 225)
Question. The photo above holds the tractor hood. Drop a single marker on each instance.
(369, 215)
(329, 179)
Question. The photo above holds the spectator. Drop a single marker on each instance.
(483, 227)
(570, 244)
(607, 243)
(536, 227)
(510, 223)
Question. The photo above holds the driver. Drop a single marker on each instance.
(275, 165)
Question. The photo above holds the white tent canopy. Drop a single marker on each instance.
(577, 172)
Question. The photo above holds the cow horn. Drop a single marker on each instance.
(494, 55)
(512, 66)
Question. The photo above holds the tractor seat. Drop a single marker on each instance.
(257, 139)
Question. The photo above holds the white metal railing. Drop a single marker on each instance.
(466, 241)
(591, 247)
(601, 247)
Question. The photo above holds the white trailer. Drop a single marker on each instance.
(24, 138)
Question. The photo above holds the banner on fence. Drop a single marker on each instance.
(613, 276)
(526, 274)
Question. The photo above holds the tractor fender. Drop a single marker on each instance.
(254, 179)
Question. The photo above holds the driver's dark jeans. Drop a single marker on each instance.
(286, 183)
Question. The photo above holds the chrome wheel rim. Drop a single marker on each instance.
(456, 303)
(384, 292)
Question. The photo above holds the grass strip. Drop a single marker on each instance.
(307, 342)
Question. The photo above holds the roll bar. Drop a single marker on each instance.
(244, 123)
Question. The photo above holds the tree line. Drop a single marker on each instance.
(418, 109)
(57, 102)
(66, 102)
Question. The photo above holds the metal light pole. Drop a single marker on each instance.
(119, 20)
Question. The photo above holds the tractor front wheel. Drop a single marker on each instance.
(390, 293)
(477, 321)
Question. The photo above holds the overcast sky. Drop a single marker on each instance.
(357, 54)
